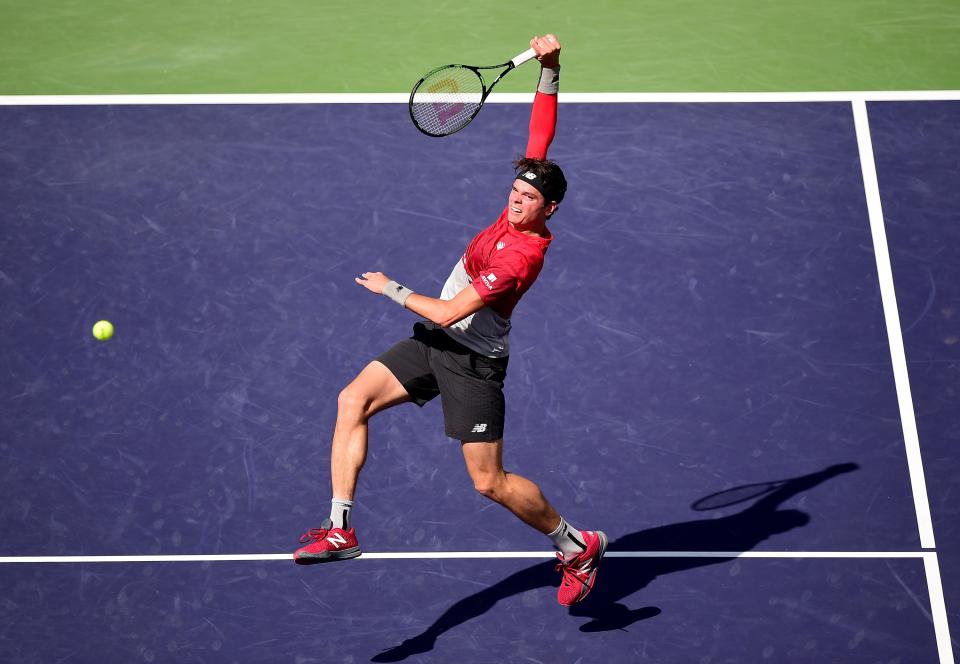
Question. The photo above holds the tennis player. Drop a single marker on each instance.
(460, 353)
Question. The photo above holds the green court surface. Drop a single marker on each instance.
(240, 46)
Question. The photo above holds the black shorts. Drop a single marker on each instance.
(470, 385)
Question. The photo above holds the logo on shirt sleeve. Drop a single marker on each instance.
(488, 280)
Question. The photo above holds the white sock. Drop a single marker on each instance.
(568, 539)
(340, 513)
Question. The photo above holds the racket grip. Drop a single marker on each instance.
(529, 54)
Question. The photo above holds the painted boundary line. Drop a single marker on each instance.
(931, 567)
(901, 377)
(858, 100)
(495, 98)
(466, 555)
(938, 608)
(891, 315)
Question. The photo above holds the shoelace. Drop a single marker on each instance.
(568, 569)
(314, 535)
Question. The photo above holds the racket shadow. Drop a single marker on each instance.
(621, 577)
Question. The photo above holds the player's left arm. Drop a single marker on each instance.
(442, 312)
(543, 115)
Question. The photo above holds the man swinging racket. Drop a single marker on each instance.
(460, 353)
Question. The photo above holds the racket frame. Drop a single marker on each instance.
(508, 66)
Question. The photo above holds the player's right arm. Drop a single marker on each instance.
(446, 312)
(543, 116)
(442, 312)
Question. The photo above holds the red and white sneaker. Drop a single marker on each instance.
(326, 544)
(580, 572)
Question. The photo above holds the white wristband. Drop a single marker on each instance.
(397, 292)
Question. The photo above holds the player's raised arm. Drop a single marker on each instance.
(543, 117)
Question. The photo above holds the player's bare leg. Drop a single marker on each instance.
(374, 389)
(516, 493)
(579, 552)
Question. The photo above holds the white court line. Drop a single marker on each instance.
(430, 555)
(888, 296)
(938, 608)
(934, 587)
(901, 377)
(891, 315)
(495, 98)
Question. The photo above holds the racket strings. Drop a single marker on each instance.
(446, 100)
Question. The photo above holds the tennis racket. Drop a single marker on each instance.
(448, 98)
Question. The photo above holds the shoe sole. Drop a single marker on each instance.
(328, 557)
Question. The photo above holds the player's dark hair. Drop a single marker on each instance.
(549, 176)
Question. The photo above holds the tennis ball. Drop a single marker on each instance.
(103, 330)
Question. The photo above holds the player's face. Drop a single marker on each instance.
(526, 206)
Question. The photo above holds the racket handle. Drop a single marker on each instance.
(529, 54)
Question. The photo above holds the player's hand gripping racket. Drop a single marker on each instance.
(449, 97)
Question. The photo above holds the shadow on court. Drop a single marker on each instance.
(621, 577)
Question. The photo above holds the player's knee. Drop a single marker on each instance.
(352, 404)
(487, 485)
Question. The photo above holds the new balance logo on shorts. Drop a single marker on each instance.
(479, 428)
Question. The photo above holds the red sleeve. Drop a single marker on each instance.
(503, 278)
(543, 125)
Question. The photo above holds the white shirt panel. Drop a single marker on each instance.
(484, 332)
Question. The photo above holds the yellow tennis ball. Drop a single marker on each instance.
(103, 330)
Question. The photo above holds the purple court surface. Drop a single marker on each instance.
(709, 316)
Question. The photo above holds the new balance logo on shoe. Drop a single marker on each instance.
(479, 428)
(326, 544)
(337, 539)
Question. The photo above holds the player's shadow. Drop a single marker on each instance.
(621, 577)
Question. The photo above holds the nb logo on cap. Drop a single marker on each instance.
(530, 175)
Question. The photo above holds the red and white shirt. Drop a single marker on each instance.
(501, 263)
